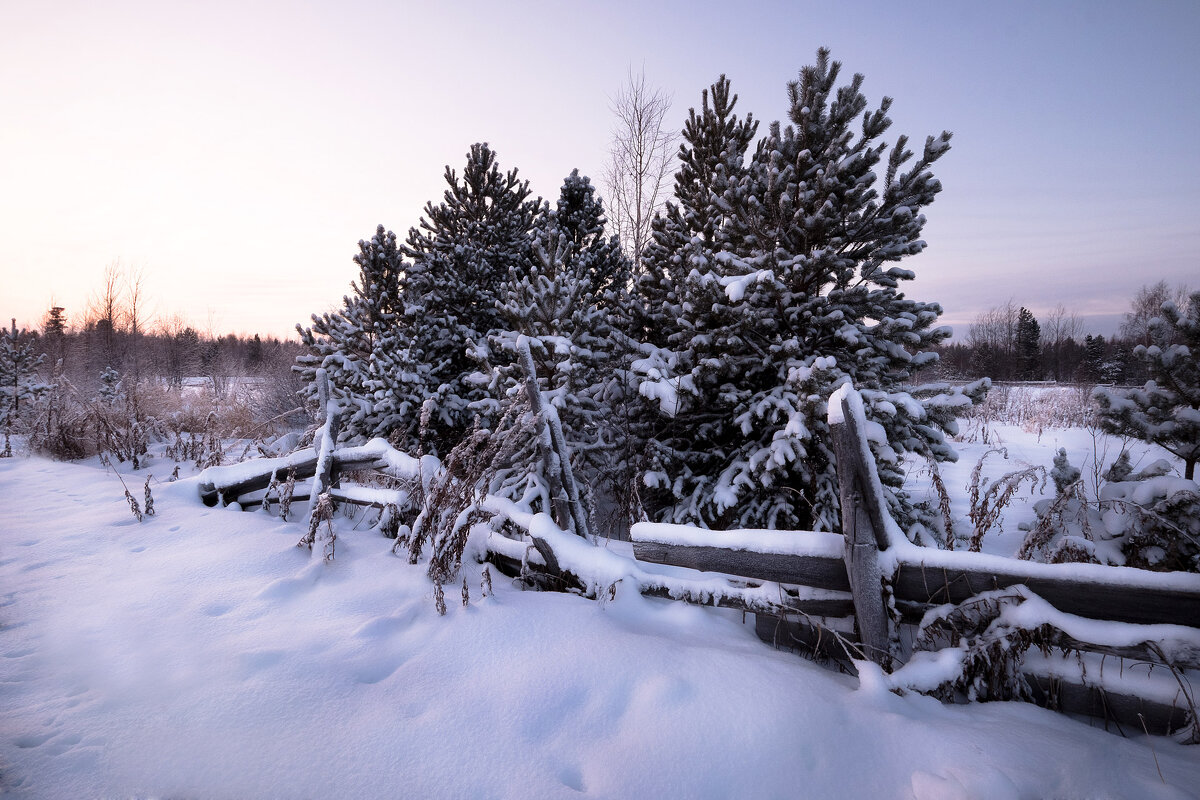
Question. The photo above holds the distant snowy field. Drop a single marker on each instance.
(200, 654)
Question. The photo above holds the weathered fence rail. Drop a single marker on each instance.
(226, 485)
(925, 578)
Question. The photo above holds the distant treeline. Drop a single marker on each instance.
(1008, 343)
(168, 352)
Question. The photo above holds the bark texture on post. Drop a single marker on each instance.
(862, 525)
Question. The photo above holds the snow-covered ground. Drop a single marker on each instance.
(200, 654)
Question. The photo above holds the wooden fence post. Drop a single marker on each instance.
(862, 525)
(325, 442)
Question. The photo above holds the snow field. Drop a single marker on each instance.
(201, 654)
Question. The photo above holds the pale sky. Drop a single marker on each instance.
(235, 152)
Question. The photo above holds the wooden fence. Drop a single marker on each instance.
(869, 583)
(885, 582)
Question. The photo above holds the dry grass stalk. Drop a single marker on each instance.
(485, 583)
(285, 495)
(133, 506)
(389, 521)
(439, 597)
(322, 512)
(451, 506)
(272, 486)
(149, 498)
(989, 499)
(939, 486)
(133, 503)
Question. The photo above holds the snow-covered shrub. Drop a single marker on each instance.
(119, 421)
(1148, 519)
(987, 651)
(61, 427)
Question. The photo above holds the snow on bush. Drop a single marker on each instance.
(1148, 519)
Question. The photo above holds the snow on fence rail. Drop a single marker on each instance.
(922, 578)
(241, 482)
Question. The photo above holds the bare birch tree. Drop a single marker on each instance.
(640, 161)
(993, 342)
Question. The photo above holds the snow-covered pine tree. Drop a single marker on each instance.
(363, 348)
(568, 303)
(1166, 410)
(462, 256)
(797, 293)
(686, 238)
(711, 159)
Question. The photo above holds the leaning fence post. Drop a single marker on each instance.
(862, 523)
(324, 443)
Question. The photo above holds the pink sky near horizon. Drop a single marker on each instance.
(236, 152)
